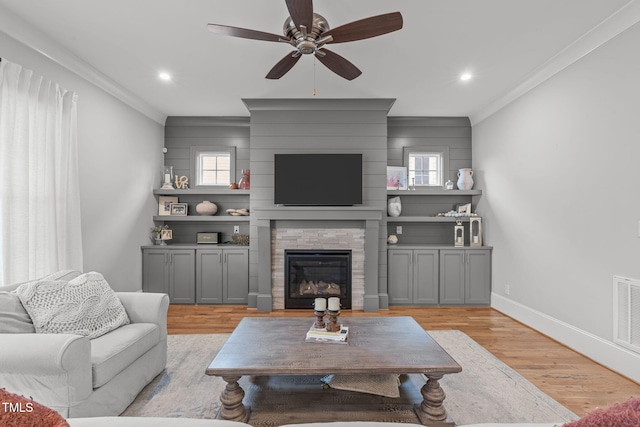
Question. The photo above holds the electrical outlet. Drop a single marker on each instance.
(398, 229)
(236, 229)
(507, 289)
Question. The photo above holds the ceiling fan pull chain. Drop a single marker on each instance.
(314, 75)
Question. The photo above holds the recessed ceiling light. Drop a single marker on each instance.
(165, 76)
(465, 77)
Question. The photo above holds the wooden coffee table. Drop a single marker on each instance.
(276, 346)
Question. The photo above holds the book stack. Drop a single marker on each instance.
(324, 336)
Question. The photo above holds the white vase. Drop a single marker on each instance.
(206, 208)
(394, 206)
(465, 179)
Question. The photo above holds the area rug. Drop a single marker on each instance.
(485, 391)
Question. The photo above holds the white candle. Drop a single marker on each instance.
(334, 304)
(320, 304)
(475, 239)
(167, 178)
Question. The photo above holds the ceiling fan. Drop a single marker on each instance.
(309, 32)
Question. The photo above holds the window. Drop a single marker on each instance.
(213, 166)
(427, 166)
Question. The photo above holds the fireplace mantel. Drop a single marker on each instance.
(318, 213)
(265, 217)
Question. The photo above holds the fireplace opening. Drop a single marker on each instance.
(311, 274)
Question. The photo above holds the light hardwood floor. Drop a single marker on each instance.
(570, 378)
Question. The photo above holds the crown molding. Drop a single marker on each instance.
(623, 19)
(23, 32)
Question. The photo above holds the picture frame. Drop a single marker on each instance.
(166, 234)
(178, 209)
(464, 209)
(164, 204)
(396, 178)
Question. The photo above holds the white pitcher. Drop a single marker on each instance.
(465, 179)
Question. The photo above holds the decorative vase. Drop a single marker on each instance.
(465, 179)
(245, 181)
(167, 178)
(394, 206)
(206, 208)
(392, 239)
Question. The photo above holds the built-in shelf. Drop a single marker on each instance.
(427, 219)
(200, 191)
(434, 192)
(197, 218)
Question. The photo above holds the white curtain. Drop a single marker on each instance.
(39, 190)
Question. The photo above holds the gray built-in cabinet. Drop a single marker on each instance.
(413, 276)
(196, 274)
(222, 276)
(432, 275)
(465, 276)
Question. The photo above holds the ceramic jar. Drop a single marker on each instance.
(206, 208)
(394, 206)
(465, 179)
(245, 181)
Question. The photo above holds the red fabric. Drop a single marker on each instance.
(18, 411)
(625, 414)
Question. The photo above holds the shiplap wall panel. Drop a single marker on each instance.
(288, 131)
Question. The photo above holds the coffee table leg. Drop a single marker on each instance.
(231, 399)
(431, 411)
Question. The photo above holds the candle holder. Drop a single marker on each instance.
(319, 323)
(333, 326)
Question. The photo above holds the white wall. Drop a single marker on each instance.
(559, 167)
(120, 154)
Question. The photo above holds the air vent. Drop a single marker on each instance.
(626, 312)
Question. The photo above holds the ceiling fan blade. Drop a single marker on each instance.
(244, 33)
(339, 65)
(283, 66)
(301, 12)
(366, 28)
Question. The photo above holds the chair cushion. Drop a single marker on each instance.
(113, 352)
(14, 319)
(85, 305)
(19, 411)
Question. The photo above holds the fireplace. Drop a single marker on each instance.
(311, 274)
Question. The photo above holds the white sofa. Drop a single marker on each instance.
(82, 377)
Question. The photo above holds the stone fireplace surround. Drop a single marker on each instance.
(362, 239)
(284, 238)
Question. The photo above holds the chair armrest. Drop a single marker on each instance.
(43, 354)
(146, 307)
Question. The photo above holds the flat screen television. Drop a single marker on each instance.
(318, 179)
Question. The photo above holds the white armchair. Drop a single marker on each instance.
(80, 377)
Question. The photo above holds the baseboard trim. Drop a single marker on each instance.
(606, 353)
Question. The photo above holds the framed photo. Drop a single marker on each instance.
(178, 209)
(166, 234)
(464, 209)
(164, 204)
(396, 178)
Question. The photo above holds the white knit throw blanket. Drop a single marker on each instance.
(85, 305)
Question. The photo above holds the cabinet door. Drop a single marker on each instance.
(182, 284)
(155, 270)
(209, 276)
(478, 274)
(236, 276)
(400, 276)
(452, 276)
(425, 277)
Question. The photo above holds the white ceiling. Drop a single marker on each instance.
(508, 45)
